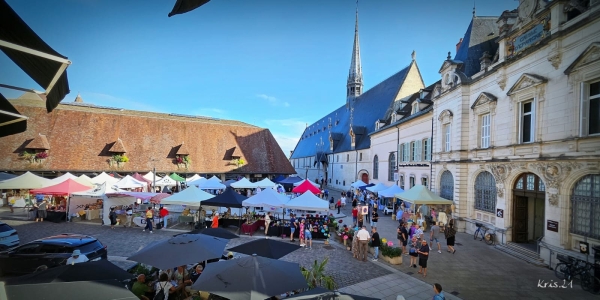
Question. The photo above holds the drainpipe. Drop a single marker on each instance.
(431, 156)
(397, 154)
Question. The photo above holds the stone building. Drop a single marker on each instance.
(335, 149)
(516, 136)
(83, 138)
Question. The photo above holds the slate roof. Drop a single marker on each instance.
(84, 134)
(480, 37)
(368, 108)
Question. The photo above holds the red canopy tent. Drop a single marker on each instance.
(306, 186)
(66, 187)
(141, 178)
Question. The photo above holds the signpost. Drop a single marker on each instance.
(500, 213)
(552, 226)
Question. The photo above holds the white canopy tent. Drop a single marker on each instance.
(26, 181)
(301, 182)
(308, 201)
(358, 184)
(129, 182)
(419, 194)
(265, 183)
(192, 196)
(244, 183)
(68, 175)
(165, 181)
(215, 178)
(268, 197)
(378, 188)
(391, 191)
(85, 180)
(206, 184)
(103, 177)
(195, 177)
(151, 177)
(78, 201)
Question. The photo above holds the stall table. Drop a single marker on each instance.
(251, 228)
(92, 214)
(226, 222)
(56, 216)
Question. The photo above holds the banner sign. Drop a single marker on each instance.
(529, 38)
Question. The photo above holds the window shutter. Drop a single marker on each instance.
(418, 151)
(585, 103)
(428, 158)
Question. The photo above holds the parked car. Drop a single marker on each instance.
(388, 210)
(9, 237)
(51, 252)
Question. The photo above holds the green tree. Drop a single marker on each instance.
(316, 276)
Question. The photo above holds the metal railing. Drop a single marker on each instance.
(554, 249)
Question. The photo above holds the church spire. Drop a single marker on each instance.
(354, 86)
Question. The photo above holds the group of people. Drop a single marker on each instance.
(304, 229)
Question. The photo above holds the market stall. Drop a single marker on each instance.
(88, 205)
(57, 206)
(129, 182)
(103, 177)
(244, 183)
(306, 186)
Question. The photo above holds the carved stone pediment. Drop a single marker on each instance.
(446, 116)
(526, 80)
(483, 99)
(590, 55)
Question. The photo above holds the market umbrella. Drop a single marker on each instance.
(89, 290)
(180, 250)
(251, 277)
(216, 232)
(325, 294)
(88, 271)
(266, 248)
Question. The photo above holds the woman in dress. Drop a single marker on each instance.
(450, 234)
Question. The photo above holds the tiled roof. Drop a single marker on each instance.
(480, 37)
(368, 108)
(84, 134)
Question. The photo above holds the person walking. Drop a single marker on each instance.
(112, 216)
(450, 234)
(403, 237)
(423, 256)
(128, 216)
(267, 222)
(339, 205)
(363, 243)
(293, 226)
(433, 236)
(374, 218)
(354, 215)
(437, 289)
(42, 210)
(375, 242)
(149, 219)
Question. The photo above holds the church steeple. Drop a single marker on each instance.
(354, 86)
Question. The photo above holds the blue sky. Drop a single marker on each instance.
(277, 64)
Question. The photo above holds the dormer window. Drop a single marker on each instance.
(394, 118)
(415, 108)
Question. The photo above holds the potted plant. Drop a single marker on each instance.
(387, 251)
(239, 162)
(118, 160)
(183, 161)
(316, 277)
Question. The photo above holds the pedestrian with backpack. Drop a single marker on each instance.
(163, 288)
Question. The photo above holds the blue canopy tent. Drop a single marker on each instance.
(278, 178)
(5, 176)
(288, 183)
(364, 187)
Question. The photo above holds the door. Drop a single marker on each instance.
(520, 219)
(539, 218)
(365, 178)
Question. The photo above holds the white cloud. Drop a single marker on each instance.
(287, 132)
(273, 101)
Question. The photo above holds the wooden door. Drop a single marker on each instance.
(365, 178)
(520, 219)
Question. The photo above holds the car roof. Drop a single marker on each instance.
(70, 239)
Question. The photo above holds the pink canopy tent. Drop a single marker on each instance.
(66, 187)
(306, 186)
(141, 178)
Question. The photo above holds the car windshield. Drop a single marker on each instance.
(5, 228)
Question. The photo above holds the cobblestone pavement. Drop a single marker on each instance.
(122, 242)
(475, 271)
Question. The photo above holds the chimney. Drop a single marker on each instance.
(459, 43)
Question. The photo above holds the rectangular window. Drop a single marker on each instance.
(406, 154)
(424, 181)
(447, 137)
(485, 130)
(427, 149)
(419, 150)
(412, 181)
(337, 158)
(413, 151)
(594, 113)
(401, 181)
(347, 157)
(360, 157)
(527, 122)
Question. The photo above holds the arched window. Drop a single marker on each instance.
(485, 192)
(585, 207)
(392, 166)
(376, 167)
(447, 185)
